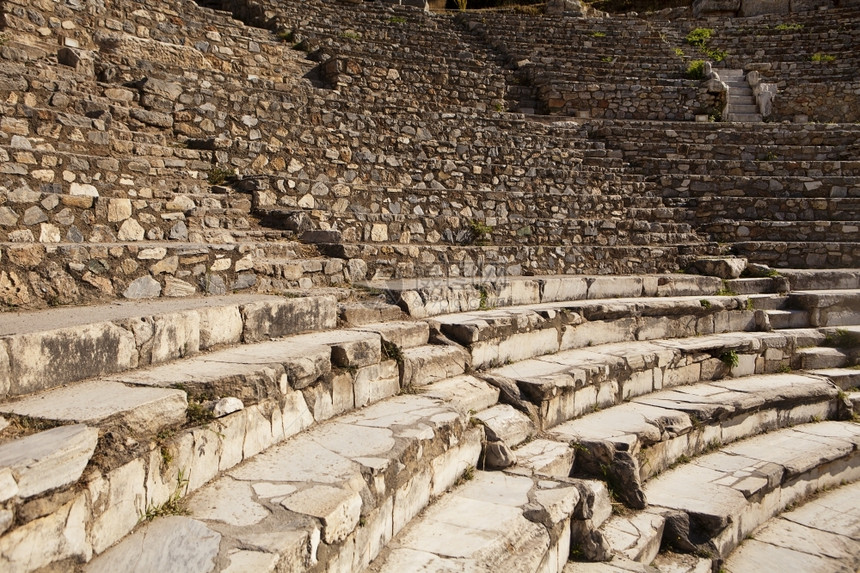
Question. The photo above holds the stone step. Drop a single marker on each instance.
(743, 117)
(818, 358)
(572, 383)
(635, 537)
(634, 441)
(134, 334)
(495, 337)
(835, 307)
(422, 298)
(44, 461)
(742, 108)
(822, 279)
(109, 405)
(719, 499)
(747, 286)
(493, 522)
(332, 497)
(423, 365)
(844, 378)
(822, 534)
(768, 301)
(788, 318)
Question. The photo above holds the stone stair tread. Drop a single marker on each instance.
(617, 564)
(544, 457)
(822, 534)
(44, 461)
(636, 537)
(24, 322)
(466, 393)
(425, 364)
(654, 431)
(484, 525)
(671, 562)
(309, 499)
(822, 357)
(844, 378)
(823, 279)
(403, 334)
(718, 488)
(142, 410)
(130, 338)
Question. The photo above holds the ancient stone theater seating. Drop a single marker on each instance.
(324, 286)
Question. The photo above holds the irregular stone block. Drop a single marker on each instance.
(172, 544)
(49, 459)
(143, 410)
(268, 319)
(41, 360)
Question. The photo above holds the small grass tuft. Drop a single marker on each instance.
(219, 175)
(841, 338)
(822, 57)
(696, 70)
(467, 475)
(730, 358)
(198, 414)
(479, 232)
(175, 504)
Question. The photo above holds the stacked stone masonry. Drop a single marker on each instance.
(444, 326)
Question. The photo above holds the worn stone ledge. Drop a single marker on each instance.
(44, 359)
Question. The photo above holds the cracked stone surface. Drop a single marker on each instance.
(729, 493)
(46, 460)
(172, 544)
(495, 522)
(336, 492)
(823, 534)
(640, 438)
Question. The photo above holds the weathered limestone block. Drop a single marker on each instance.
(702, 8)
(143, 287)
(49, 459)
(143, 410)
(267, 319)
(40, 360)
(427, 364)
(722, 267)
(173, 544)
(58, 536)
(759, 7)
(505, 424)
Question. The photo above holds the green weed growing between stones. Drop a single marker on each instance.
(696, 70)
(175, 504)
(822, 57)
(788, 27)
(730, 358)
(219, 175)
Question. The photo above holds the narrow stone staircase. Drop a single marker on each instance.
(742, 105)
